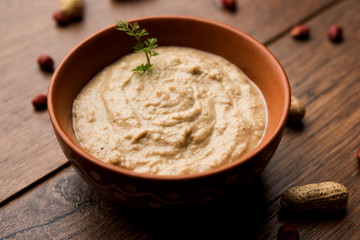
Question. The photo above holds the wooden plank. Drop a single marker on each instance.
(67, 208)
(326, 77)
(28, 146)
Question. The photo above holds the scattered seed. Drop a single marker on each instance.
(288, 232)
(300, 32)
(335, 33)
(60, 18)
(40, 102)
(46, 63)
(229, 5)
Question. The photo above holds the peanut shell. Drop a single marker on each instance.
(297, 110)
(72, 9)
(325, 196)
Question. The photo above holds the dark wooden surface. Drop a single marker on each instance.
(42, 197)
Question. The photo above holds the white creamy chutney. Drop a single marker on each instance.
(191, 112)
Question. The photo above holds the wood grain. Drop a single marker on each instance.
(66, 207)
(325, 76)
(28, 146)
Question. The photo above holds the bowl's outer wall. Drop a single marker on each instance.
(104, 48)
(152, 193)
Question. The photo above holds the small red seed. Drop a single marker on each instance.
(60, 18)
(300, 32)
(335, 33)
(229, 4)
(46, 63)
(288, 232)
(40, 102)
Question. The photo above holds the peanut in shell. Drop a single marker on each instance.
(73, 9)
(325, 196)
(297, 110)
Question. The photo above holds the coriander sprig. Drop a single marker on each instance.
(146, 46)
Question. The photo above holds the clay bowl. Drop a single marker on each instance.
(147, 191)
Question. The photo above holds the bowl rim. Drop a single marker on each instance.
(115, 169)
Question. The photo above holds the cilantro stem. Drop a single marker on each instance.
(146, 46)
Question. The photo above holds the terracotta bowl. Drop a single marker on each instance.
(147, 191)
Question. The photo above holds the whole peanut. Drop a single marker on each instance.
(297, 110)
(325, 196)
(72, 9)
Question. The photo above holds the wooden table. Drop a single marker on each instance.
(42, 197)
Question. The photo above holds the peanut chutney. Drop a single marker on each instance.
(191, 112)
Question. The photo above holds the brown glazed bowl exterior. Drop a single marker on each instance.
(147, 191)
